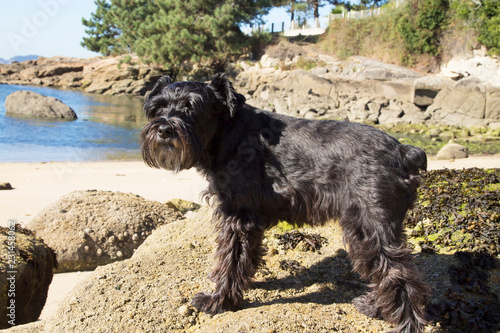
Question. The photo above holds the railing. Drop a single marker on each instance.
(353, 14)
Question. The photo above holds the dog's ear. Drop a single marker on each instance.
(152, 101)
(226, 94)
(162, 82)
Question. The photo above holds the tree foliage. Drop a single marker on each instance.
(485, 16)
(421, 24)
(489, 29)
(171, 32)
(102, 33)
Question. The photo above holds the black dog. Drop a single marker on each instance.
(264, 167)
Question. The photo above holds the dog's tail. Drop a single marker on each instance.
(414, 159)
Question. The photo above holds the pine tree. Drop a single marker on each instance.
(195, 30)
(101, 31)
(172, 32)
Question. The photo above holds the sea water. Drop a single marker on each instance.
(108, 127)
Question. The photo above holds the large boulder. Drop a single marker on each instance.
(25, 103)
(452, 151)
(151, 291)
(425, 89)
(92, 228)
(26, 271)
(462, 104)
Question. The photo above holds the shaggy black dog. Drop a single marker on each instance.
(264, 167)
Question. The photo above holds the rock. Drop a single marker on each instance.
(59, 69)
(267, 61)
(425, 89)
(447, 135)
(91, 228)
(124, 74)
(26, 279)
(183, 206)
(452, 151)
(363, 110)
(98, 87)
(151, 290)
(492, 112)
(396, 89)
(465, 103)
(5, 186)
(25, 103)
(484, 68)
(185, 310)
(362, 68)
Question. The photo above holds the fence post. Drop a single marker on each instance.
(283, 27)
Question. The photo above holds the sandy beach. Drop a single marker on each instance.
(37, 185)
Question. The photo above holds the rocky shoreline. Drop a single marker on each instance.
(312, 86)
(365, 90)
(109, 76)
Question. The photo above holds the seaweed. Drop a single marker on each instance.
(305, 242)
(469, 306)
(458, 210)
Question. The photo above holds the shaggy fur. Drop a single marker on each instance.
(264, 167)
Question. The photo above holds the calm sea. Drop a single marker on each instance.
(108, 127)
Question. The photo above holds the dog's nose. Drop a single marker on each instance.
(165, 131)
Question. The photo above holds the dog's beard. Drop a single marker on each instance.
(178, 152)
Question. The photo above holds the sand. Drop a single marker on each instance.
(37, 185)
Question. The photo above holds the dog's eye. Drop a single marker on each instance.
(160, 112)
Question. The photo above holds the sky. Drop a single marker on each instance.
(54, 27)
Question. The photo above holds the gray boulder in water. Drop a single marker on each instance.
(25, 103)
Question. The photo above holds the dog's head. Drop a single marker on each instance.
(184, 117)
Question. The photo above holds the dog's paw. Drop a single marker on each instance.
(366, 305)
(208, 303)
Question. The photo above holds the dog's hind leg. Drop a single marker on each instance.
(378, 253)
(239, 254)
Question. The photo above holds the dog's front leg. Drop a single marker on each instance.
(239, 254)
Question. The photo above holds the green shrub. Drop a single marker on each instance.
(421, 24)
(489, 25)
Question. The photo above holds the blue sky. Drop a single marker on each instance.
(54, 27)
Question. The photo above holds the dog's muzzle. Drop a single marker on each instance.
(165, 131)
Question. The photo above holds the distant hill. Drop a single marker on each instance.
(19, 58)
